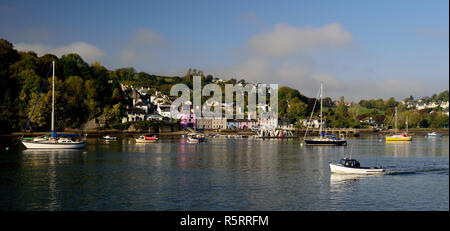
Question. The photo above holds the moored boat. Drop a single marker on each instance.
(326, 140)
(196, 139)
(323, 139)
(404, 136)
(109, 137)
(433, 134)
(54, 141)
(352, 166)
(61, 143)
(146, 139)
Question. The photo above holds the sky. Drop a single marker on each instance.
(358, 49)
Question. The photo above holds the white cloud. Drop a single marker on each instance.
(87, 51)
(142, 46)
(286, 40)
(307, 81)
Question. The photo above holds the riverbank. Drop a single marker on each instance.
(299, 133)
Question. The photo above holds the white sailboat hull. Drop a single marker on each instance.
(53, 145)
(338, 168)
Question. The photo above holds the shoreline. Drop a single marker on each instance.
(359, 131)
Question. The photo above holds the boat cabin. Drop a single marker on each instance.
(352, 163)
(331, 136)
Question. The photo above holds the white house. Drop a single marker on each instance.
(164, 110)
(268, 124)
(314, 123)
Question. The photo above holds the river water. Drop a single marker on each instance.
(226, 174)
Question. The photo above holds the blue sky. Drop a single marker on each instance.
(359, 49)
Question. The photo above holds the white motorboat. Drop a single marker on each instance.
(352, 166)
(109, 137)
(196, 139)
(54, 141)
(434, 134)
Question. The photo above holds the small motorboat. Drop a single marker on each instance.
(147, 139)
(352, 166)
(433, 134)
(196, 139)
(109, 137)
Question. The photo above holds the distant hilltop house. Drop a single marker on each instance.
(420, 106)
(217, 80)
(143, 106)
(313, 123)
(367, 119)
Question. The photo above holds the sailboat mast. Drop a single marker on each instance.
(395, 128)
(321, 91)
(406, 124)
(53, 100)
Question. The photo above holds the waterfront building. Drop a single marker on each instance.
(203, 123)
(244, 124)
(268, 124)
(232, 124)
(218, 123)
(187, 121)
(284, 123)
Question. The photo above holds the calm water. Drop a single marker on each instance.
(225, 174)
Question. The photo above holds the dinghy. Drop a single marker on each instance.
(146, 139)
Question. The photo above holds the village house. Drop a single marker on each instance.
(367, 119)
(203, 123)
(314, 123)
(284, 123)
(268, 124)
(218, 123)
(232, 124)
(164, 110)
(244, 124)
(187, 121)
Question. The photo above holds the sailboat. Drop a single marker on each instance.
(404, 136)
(55, 141)
(324, 138)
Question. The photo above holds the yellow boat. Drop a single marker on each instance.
(404, 136)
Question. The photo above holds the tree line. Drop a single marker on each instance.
(85, 91)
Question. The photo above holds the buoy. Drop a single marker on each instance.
(7, 148)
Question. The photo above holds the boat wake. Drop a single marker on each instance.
(417, 171)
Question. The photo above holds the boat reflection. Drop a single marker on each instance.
(44, 151)
(340, 179)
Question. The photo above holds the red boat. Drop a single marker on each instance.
(151, 137)
(146, 139)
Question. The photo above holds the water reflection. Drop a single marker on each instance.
(223, 174)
